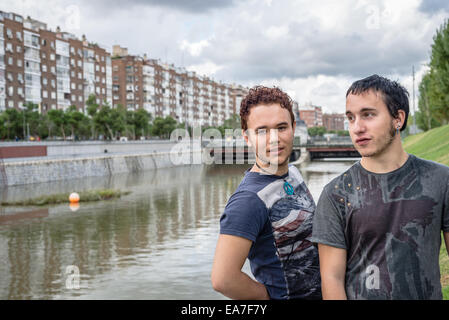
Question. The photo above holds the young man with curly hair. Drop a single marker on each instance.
(269, 217)
(378, 225)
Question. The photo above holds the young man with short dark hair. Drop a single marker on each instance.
(269, 217)
(378, 225)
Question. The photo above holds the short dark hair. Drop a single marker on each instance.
(394, 95)
(264, 95)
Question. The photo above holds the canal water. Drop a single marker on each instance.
(157, 242)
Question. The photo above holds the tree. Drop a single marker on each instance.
(142, 122)
(77, 121)
(426, 114)
(162, 127)
(434, 87)
(13, 123)
(32, 118)
(316, 131)
(59, 120)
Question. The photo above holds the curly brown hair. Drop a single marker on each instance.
(264, 95)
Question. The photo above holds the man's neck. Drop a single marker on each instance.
(277, 170)
(391, 159)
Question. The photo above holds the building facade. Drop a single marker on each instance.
(334, 121)
(311, 115)
(165, 90)
(51, 69)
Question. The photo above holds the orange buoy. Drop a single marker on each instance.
(74, 197)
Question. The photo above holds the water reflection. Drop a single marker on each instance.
(155, 243)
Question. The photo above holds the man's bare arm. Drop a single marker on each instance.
(227, 277)
(333, 270)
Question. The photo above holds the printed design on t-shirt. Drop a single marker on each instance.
(384, 250)
(291, 219)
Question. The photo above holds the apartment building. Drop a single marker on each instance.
(311, 115)
(55, 70)
(165, 90)
(52, 69)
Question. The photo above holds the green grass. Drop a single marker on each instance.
(430, 145)
(93, 195)
(434, 145)
(444, 268)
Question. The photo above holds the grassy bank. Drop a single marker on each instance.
(93, 195)
(433, 145)
(430, 145)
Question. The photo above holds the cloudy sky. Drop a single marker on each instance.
(312, 49)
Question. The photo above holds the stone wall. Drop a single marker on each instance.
(44, 170)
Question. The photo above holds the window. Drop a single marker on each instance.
(10, 61)
(44, 94)
(44, 68)
(9, 47)
(53, 69)
(19, 63)
(80, 98)
(44, 42)
(44, 55)
(73, 97)
(53, 83)
(10, 91)
(52, 56)
(80, 63)
(11, 104)
(35, 40)
(53, 95)
(73, 86)
(19, 49)
(19, 35)
(80, 76)
(44, 81)
(10, 76)
(9, 33)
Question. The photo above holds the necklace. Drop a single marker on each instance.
(288, 188)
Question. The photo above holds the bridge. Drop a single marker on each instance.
(236, 151)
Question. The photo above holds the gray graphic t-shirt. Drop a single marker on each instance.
(390, 224)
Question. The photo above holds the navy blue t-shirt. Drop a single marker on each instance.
(280, 226)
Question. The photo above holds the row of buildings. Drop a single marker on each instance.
(55, 70)
(313, 116)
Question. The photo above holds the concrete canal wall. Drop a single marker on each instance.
(90, 159)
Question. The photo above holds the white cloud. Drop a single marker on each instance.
(194, 48)
(275, 32)
(208, 68)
